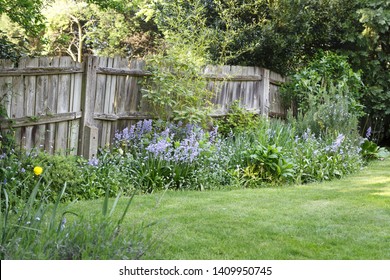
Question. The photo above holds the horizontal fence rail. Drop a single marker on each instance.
(62, 106)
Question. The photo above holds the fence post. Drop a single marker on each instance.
(264, 93)
(88, 129)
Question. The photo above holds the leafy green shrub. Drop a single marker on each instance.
(268, 164)
(84, 179)
(176, 90)
(108, 169)
(9, 50)
(58, 170)
(237, 120)
(329, 117)
(369, 149)
(327, 95)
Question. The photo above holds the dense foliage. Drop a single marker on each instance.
(280, 35)
(150, 156)
(339, 75)
(326, 96)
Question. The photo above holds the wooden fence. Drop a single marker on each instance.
(60, 105)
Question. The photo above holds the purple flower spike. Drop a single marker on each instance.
(93, 162)
(368, 133)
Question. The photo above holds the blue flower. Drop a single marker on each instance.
(158, 148)
(337, 143)
(368, 133)
(93, 162)
(214, 134)
(340, 138)
(307, 134)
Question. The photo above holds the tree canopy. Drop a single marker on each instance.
(282, 35)
(27, 13)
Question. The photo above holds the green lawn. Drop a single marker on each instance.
(342, 219)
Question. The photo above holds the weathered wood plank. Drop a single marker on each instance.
(36, 71)
(88, 106)
(276, 106)
(17, 101)
(276, 78)
(101, 104)
(131, 94)
(30, 104)
(61, 138)
(123, 72)
(123, 116)
(264, 92)
(75, 106)
(234, 78)
(51, 98)
(40, 120)
(116, 95)
(256, 90)
(40, 104)
(6, 89)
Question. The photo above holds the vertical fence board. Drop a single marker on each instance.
(64, 86)
(143, 106)
(117, 96)
(41, 103)
(75, 106)
(276, 106)
(264, 93)
(18, 102)
(51, 106)
(6, 84)
(30, 104)
(89, 96)
(132, 93)
(257, 87)
(102, 97)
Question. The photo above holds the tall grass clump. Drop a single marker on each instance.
(42, 230)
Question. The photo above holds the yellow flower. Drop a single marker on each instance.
(38, 170)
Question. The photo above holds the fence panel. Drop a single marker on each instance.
(231, 83)
(112, 97)
(276, 107)
(63, 106)
(43, 102)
